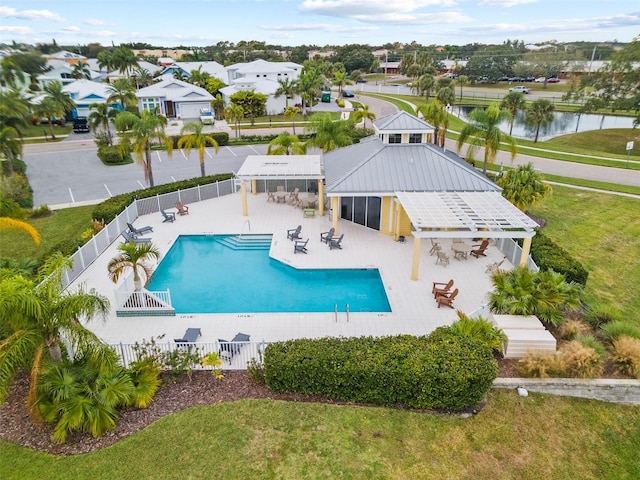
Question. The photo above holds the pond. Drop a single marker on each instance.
(563, 123)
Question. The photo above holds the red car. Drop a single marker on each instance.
(553, 80)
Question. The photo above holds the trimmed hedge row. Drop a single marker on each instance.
(110, 208)
(443, 371)
(110, 155)
(222, 138)
(550, 256)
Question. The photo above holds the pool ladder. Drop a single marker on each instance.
(335, 311)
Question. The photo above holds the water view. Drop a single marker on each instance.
(563, 123)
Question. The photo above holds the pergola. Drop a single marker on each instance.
(464, 215)
(280, 167)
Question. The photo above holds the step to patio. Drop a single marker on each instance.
(246, 242)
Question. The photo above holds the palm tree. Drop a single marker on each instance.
(198, 77)
(14, 109)
(38, 315)
(524, 186)
(122, 91)
(462, 81)
(309, 84)
(143, 77)
(218, 106)
(340, 80)
(446, 96)
(288, 88)
(133, 257)
(286, 144)
(10, 73)
(483, 131)
(100, 116)
(62, 99)
(138, 139)
(234, 113)
(198, 140)
(124, 60)
(362, 114)
(328, 135)
(434, 113)
(49, 109)
(81, 70)
(424, 85)
(7, 223)
(292, 113)
(10, 148)
(540, 113)
(512, 102)
(106, 60)
(545, 294)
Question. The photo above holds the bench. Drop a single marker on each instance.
(308, 212)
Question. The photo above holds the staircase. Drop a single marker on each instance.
(245, 242)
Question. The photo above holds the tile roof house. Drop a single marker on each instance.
(174, 98)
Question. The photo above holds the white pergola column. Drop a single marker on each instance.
(243, 191)
(335, 203)
(321, 198)
(415, 264)
(526, 247)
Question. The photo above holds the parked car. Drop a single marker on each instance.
(362, 80)
(521, 89)
(348, 94)
(529, 79)
(553, 80)
(206, 116)
(81, 125)
(540, 80)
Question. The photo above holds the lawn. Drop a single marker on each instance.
(537, 437)
(63, 226)
(603, 232)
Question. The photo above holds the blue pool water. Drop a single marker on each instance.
(219, 274)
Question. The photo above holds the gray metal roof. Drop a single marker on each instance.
(401, 122)
(373, 167)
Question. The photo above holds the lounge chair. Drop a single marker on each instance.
(139, 231)
(447, 299)
(327, 236)
(182, 209)
(228, 349)
(479, 249)
(190, 336)
(137, 240)
(294, 233)
(168, 216)
(299, 246)
(443, 258)
(441, 288)
(336, 242)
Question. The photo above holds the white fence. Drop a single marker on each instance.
(91, 250)
(243, 352)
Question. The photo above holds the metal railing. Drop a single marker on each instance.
(244, 352)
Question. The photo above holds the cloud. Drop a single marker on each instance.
(93, 21)
(321, 27)
(17, 30)
(505, 3)
(355, 8)
(30, 14)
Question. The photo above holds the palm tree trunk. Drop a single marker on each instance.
(202, 174)
(511, 126)
(486, 160)
(54, 349)
(537, 132)
(53, 135)
(147, 154)
(36, 369)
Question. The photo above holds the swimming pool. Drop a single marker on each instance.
(231, 274)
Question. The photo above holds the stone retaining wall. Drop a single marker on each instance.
(608, 390)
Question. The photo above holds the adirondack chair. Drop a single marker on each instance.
(440, 288)
(182, 209)
(479, 250)
(325, 237)
(294, 233)
(447, 300)
(300, 247)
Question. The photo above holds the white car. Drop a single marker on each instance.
(521, 89)
(206, 116)
(540, 80)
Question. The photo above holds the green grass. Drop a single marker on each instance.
(537, 437)
(64, 225)
(603, 232)
(613, 139)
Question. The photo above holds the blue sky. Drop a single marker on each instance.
(295, 22)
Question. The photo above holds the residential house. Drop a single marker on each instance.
(61, 71)
(174, 98)
(86, 92)
(214, 69)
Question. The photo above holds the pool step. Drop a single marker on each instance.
(246, 242)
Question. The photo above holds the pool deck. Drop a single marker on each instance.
(414, 310)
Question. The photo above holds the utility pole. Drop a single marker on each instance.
(593, 55)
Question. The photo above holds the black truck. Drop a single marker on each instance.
(81, 125)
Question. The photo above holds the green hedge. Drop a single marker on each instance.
(222, 138)
(110, 155)
(448, 372)
(109, 209)
(550, 256)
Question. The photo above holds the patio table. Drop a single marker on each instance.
(461, 250)
(281, 197)
(307, 199)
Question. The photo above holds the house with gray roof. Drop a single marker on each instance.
(174, 98)
(86, 92)
(214, 69)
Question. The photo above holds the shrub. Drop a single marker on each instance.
(626, 356)
(549, 256)
(447, 371)
(570, 328)
(101, 139)
(591, 342)
(111, 155)
(614, 330)
(16, 187)
(600, 314)
(214, 361)
(145, 375)
(41, 211)
(481, 329)
(580, 361)
(537, 365)
(10, 208)
(110, 208)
